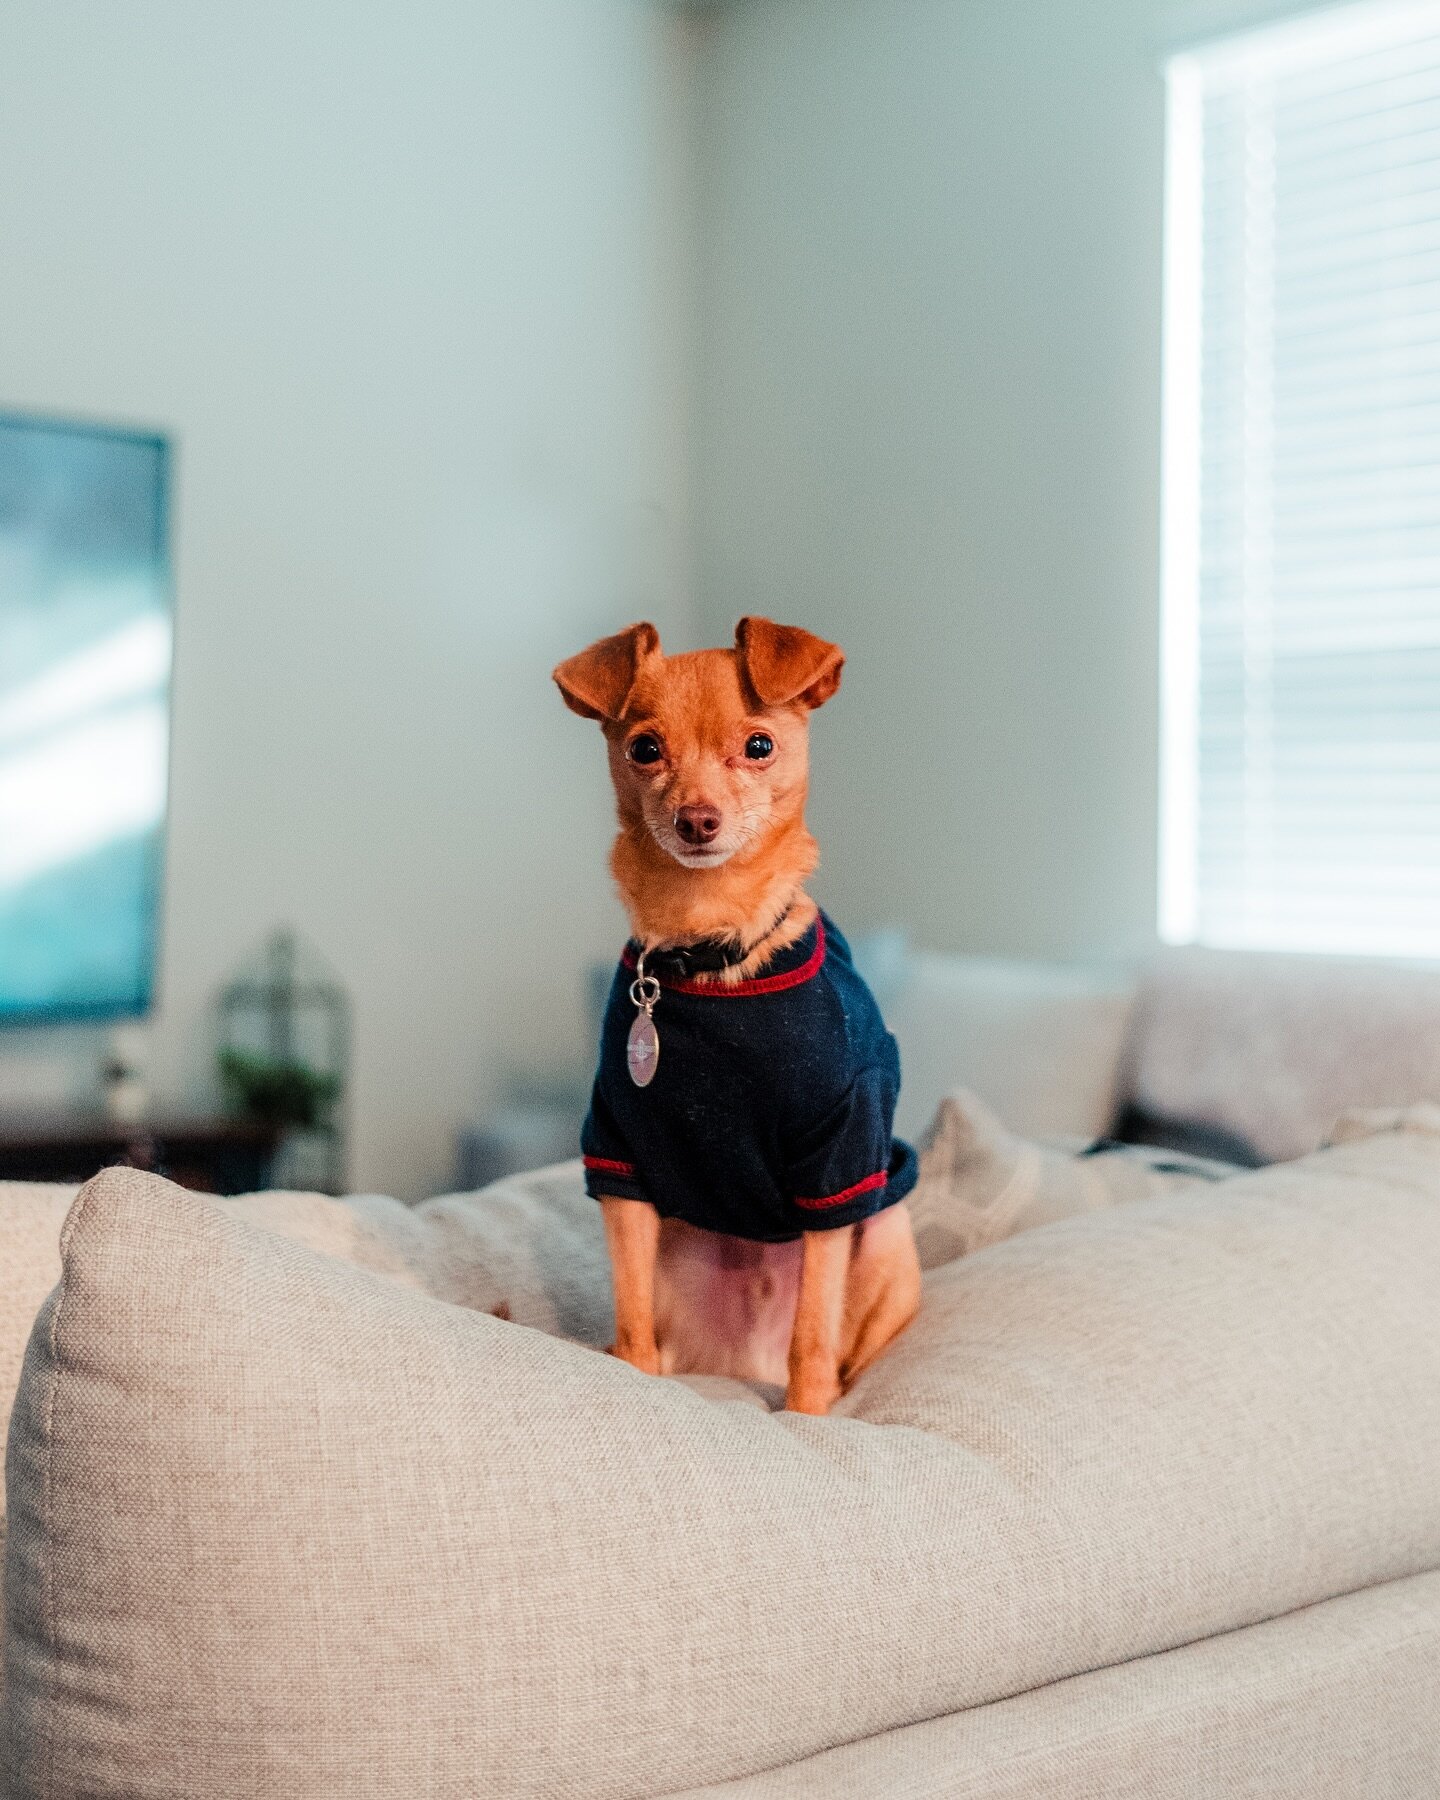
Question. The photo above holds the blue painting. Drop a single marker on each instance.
(85, 643)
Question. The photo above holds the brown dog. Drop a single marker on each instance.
(709, 758)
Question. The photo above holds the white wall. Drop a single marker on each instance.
(928, 424)
(413, 286)
(408, 284)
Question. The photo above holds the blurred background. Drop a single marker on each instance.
(1075, 366)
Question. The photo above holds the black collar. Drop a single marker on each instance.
(707, 956)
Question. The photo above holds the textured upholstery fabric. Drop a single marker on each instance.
(31, 1214)
(1271, 1048)
(1339, 1701)
(280, 1527)
(531, 1246)
(980, 1184)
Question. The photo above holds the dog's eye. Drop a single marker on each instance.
(645, 749)
(758, 746)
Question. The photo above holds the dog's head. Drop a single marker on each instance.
(708, 751)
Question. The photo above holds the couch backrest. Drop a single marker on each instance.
(1272, 1048)
(1040, 1042)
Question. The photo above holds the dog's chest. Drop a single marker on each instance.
(724, 1305)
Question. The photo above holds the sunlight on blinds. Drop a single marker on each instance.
(1301, 631)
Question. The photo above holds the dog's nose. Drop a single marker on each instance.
(697, 824)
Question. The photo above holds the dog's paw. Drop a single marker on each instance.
(644, 1357)
(814, 1394)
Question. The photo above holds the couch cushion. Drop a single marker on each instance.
(31, 1214)
(1334, 1702)
(530, 1247)
(1039, 1042)
(1269, 1048)
(279, 1526)
(980, 1183)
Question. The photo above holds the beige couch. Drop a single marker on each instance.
(1263, 1051)
(1147, 1503)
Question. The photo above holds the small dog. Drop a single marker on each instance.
(739, 1135)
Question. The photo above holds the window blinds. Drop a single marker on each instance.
(1301, 702)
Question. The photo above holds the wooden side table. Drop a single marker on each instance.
(213, 1155)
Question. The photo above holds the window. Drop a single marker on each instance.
(1301, 685)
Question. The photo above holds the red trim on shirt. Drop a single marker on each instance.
(752, 984)
(608, 1166)
(868, 1185)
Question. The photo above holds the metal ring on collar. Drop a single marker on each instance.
(644, 991)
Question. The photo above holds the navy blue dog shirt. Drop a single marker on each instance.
(771, 1106)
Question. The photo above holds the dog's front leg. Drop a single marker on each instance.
(632, 1236)
(819, 1311)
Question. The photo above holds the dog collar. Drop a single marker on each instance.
(707, 956)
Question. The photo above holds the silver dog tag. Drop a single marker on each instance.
(642, 1047)
(642, 1050)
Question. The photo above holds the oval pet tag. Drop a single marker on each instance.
(642, 1050)
(642, 1047)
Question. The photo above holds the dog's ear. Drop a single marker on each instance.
(782, 663)
(597, 683)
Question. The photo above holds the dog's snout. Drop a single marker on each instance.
(697, 824)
